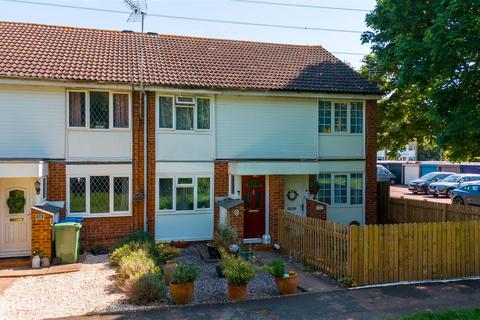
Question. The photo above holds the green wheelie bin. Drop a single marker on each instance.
(67, 241)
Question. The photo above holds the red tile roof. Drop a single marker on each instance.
(77, 54)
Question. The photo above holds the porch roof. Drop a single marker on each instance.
(23, 169)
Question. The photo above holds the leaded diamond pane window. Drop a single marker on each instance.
(120, 194)
(78, 195)
(99, 194)
(76, 109)
(99, 114)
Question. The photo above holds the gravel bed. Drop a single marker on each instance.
(209, 288)
(86, 291)
(92, 290)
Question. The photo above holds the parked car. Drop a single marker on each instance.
(447, 185)
(421, 184)
(468, 194)
(383, 174)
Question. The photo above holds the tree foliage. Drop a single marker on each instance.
(426, 57)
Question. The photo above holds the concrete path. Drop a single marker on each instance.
(307, 281)
(29, 272)
(373, 303)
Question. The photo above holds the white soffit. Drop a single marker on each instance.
(267, 168)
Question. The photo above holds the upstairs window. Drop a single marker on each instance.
(183, 113)
(120, 110)
(76, 109)
(342, 117)
(98, 110)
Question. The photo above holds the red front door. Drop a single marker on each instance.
(253, 194)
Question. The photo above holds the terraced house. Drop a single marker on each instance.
(227, 131)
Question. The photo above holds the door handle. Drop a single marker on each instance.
(253, 211)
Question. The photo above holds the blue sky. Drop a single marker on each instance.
(216, 9)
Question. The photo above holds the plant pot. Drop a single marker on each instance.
(45, 262)
(246, 255)
(181, 293)
(36, 262)
(168, 268)
(219, 270)
(237, 293)
(213, 251)
(287, 285)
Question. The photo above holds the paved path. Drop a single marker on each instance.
(373, 303)
(399, 190)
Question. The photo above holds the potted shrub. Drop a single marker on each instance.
(167, 254)
(238, 273)
(182, 285)
(286, 282)
(223, 238)
(314, 187)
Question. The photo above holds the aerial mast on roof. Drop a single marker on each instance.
(138, 12)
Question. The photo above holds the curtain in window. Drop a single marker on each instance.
(184, 118)
(76, 109)
(165, 112)
(120, 110)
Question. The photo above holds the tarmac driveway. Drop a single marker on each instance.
(376, 303)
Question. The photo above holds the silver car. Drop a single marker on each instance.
(383, 174)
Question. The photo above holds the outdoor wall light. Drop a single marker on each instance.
(37, 187)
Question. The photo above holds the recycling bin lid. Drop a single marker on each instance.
(71, 219)
(62, 225)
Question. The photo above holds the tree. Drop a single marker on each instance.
(426, 57)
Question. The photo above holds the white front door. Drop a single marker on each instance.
(15, 220)
(296, 190)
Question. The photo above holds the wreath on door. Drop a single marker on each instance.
(16, 201)
(292, 195)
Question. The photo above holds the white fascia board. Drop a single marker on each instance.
(22, 169)
(272, 167)
(129, 87)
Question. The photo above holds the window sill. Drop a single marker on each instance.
(186, 132)
(99, 215)
(174, 213)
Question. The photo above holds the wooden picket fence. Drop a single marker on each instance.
(401, 210)
(317, 243)
(414, 251)
(375, 254)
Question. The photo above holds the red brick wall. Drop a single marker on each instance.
(220, 186)
(105, 231)
(370, 162)
(137, 159)
(276, 184)
(312, 211)
(56, 181)
(151, 161)
(42, 233)
(236, 221)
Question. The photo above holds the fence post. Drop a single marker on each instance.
(353, 254)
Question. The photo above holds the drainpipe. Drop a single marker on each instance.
(142, 90)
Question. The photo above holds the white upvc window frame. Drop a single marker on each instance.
(174, 114)
(349, 117)
(111, 213)
(176, 185)
(349, 195)
(110, 111)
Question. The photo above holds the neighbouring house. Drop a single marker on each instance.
(407, 154)
(235, 130)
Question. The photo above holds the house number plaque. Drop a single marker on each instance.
(236, 212)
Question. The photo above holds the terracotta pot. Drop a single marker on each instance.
(237, 293)
(179, 244)
(181, 293)
(287, 285)
(168, 268)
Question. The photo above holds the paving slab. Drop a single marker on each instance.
(5, 283)
(29, 272)
(307, 281)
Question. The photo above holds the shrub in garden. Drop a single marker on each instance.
(276, 268)
(185, 273)
(147, 288)
(237, 271)
(127, 249)
(166, 252)
(133, 266)
(138, 236)
(225, 236)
